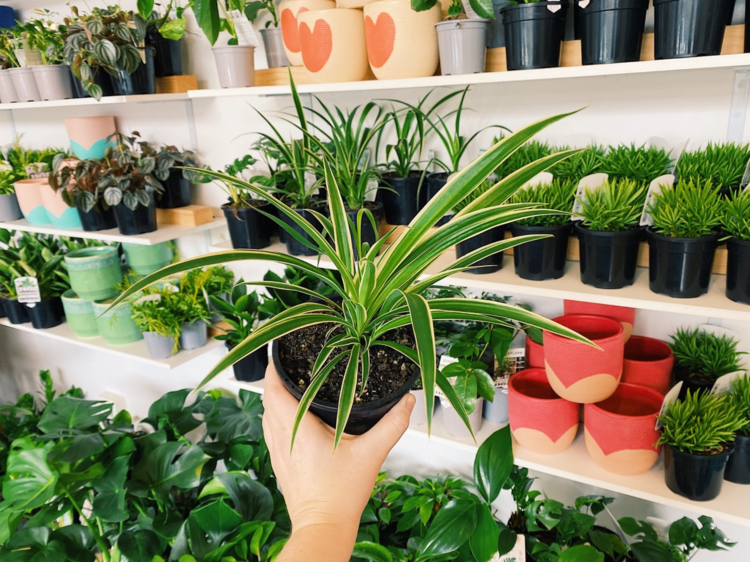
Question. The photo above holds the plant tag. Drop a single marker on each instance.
(746, 177)
(583, 3)
(592, 183)
(372, 189)
(723, 385)
(658, 143)
(552, 8)
(654, 189)
(669, 399)
(432, 156)
(147, 298)
(27, 289)
(245, 33)
(38, 170)
(542, 178)
(516, 554)
(446, 360)
(172, 288)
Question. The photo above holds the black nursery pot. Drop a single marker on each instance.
(533, 35)
(738, 270)
(167, 56)
(252, 367)
(696, 384)
(96, 219)
(142, 81)
(368, 234)
(248, 228)
(294, 246)
(689, 28)
(46, 314)
(680, 267)
(402, 204)
(738, 466)
(541, 259)
(696, 477)
(176, 191)
(612, 30)
(102, 79)
(608, 259)
(435, 182)
(140, 221)
(489, 264)
(364, 415)
(16, 312)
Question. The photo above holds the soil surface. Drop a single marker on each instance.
(389, 370)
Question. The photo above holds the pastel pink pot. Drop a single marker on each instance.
(58, 211)
(88, 135)
(648, 362)
(534, 354)
(29, 195)
(623, 314)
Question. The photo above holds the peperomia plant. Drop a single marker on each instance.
(129, 173)
(79, 181)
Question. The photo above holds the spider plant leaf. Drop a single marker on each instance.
(365, 359)
(281, 287)
(421, 319)
(339, 220)
(336, 341)
(447, 388)
(348, 392)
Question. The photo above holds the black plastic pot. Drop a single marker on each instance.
(16, 312)
(252, 367)
(608, 259)
(612, 30)
(248, 228)
(696, 477)
(435, 182)
(167, 56)
(680, 267)
(689, 28)
(369, 235)
(96, 219)
(695, 384)
(46, 314)
(102, 79)
(364, 415)
(401, 204)
(294, 246)
(140, 221)
(142, 81)
(738, 466)
(533, 35)
(176, 191)
(541, 259)
(489, 264)
(738, 270)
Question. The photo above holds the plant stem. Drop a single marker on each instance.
(97, 538)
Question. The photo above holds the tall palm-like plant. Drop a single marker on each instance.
(381, 288)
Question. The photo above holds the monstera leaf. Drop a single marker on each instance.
(171, 465)
(30, 481)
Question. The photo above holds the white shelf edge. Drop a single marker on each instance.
(134, 351)
(82, 102)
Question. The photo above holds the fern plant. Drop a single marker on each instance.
(588, 161)
(556, 196)
(615, 207)
(739, 398)
(736, 215)
(723, 164)
(687, 210)
(706, 354)
(637, 163)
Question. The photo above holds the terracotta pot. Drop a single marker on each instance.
(58, 211)
(619, 431)
(401, 42)
(88, 135)
(540, 420)
(623, 314)
(29, 197)
(289, 12)
(534, 354)
(579, 372)
(333, 45)
(648, 362)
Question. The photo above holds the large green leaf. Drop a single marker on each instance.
(493, 464)
(581, 553)
(172, 407)
(229, 419)
(109, 502)
(347, 394)
(484, 541)
(217, 519)
(171, 465)
(251, 499)
(371, 552)
(207, 15)
(451, 528)
(421, 319)
(140, 545)
(66, 413)
(30, 480)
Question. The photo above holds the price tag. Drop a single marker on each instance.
(669, 399)
(446, 360)
(654, 189)
(723, 385)
(245, 33)
(517, 553)
(592, 183)
(27, 289)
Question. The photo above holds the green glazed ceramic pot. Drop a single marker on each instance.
(144, 260)
(94, 272)
(116, 326)
(80, 315)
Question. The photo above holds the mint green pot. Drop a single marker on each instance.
(80, 315)
(144, 260)
(94, 272)
(116, 326)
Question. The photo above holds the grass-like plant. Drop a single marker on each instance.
(408, 123)
(530, 152)
(739, 398)
(736, 215)
(687, 210)
(704, 353)
(723, 164)
(637, 163)
(557, 196)
(588, 161)
(700, 424)
(615, 207)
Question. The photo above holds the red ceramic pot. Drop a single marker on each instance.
(540, 421)
(534, 354)
(648, 362)
(620, 434)
(624, 315)
(579, 372)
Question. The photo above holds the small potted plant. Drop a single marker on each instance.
(683, 238)
(610, 233)
(17, 59)
(42, 258)
(175, 181)
(738, 467)
(165, 31)
(611, 32)
(9, 209)
(473, 385)
(8, 60)
(79, 182)
(722, 163)
(190, 306)
(154, 315)
(53, 78)
(9, 272)
(736, 221)
(638, 163)
(534, 32)
(690, 28)
(271, 32)
(699, 433)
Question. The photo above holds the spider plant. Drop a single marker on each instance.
(403, 156)
(382, 292)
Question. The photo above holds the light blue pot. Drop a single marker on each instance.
(115, 325)
(94, 272)
(80, 315)
(144, 260)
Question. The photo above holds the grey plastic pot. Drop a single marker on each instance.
(79, 314)
(54, 82)
(194, 335)
(236, 66)
(25, 84)
(462, 45)
(274, 44)
(7, 89)
(497, 410)
(9, 209)
(454, 425)
(419, 413)
(159, 347)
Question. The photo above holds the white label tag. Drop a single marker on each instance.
(658, 143)
(654, 189)
(542, 178)
(446, 360)
(584, 3)
(669, 399)
(27, 289)
(746, 177)
(372, 189)
(553, 8)
(517, 553)
(432, 155)
(723, 385)
(147, 298)
(245, 33)
(592, 183)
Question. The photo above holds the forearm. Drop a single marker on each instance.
(320, 543)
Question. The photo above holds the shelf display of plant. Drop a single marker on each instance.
(530, 152)
(587, 162)
(155, 316)
(683, 238)
(637, 163)
(738, 467)
(723, 164)
(610, 234)
(165, 27)
(736, 222)
(175, 181)
(701, 357)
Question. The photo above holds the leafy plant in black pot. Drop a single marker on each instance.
(165, 30)
(689, 28)
(15, 311)
(683, 238)
(736, 222)
(738, 467)
(611, 31)
(544, 258)
(534, 32)
(492, 263)
(381, 325)
(723, 164)
(79, 180)
(637, 163)
(585, 163)
(699, 434)
(609, 233)
(176, 181)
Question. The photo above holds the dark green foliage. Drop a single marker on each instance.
(615, 207)
(528, 153)
(637, 163)
(722, 164)
(687, 210)
(736, 215)
(739, 398)
(557, 196)
(588, 161)
(706, 354)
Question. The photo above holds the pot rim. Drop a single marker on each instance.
(233, 47)
(529, 372)
(580, 229)
(92, 254)
(589, 317)
(727, 452)
(627, 386)
(661, 237)
(660, 343)
(461, 23)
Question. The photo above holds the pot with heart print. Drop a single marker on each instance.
(289, 11)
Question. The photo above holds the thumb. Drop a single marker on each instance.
(391, 428)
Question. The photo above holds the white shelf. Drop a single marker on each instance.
(134, 351)
(108, 100)
(576, 465)
(714, 304)
(164, 232)
(723, 62)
